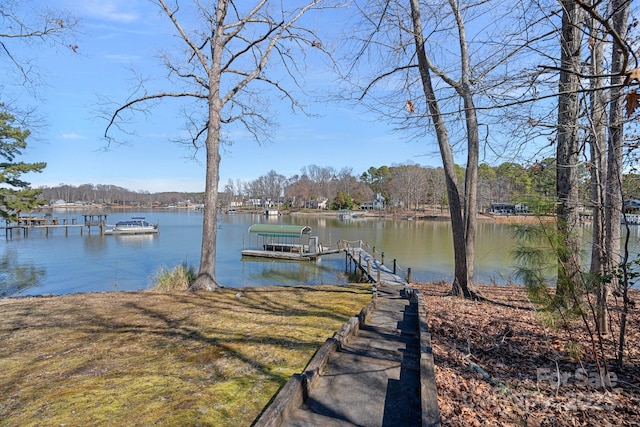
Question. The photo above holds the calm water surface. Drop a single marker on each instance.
(58, 264)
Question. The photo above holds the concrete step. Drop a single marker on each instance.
(383, 351)
(386, 333)
(305, 418)
(353, 387)
(385, 339)
(391, 318)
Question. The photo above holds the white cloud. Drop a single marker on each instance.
(111, 10)
(72, 135)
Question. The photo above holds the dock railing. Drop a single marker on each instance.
(355, 250)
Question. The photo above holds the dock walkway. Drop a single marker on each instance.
(376, 371)
(374, 269)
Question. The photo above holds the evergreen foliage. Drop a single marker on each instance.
(342, 201)
(15, 194)
(571, 304)
(536, 259)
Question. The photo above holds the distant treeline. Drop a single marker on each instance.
(407, 186)
(114, 195)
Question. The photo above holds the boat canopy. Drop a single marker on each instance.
(280, 230)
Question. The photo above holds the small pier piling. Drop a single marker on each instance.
(95, 220)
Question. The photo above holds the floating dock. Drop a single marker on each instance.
(282, 241)
(292, 256)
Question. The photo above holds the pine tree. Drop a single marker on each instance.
(15, 194)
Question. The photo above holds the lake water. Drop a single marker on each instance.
(57, 263)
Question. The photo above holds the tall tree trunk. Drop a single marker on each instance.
(462, 283)
(598, 169)
(473, 143)
(206, 279)
(568, 147)
(613, 201)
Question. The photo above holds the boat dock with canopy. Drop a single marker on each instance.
(284, 241)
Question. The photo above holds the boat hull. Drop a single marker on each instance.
(132, 230)
(137, 225)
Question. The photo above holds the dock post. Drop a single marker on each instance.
(382, 256)
(374, 252)
(369, 267)
(409, 275)
(378, 278)
(395, 265)
(360, 259)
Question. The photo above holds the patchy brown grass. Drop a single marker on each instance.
(146, 358)
(507, 340)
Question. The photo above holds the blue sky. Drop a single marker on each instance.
(117, 36)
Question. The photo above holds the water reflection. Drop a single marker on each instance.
(89, 263)
(16, 276)
(135, 240)
(95, 244)
(292, 273)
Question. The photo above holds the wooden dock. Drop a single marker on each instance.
(372, 268)
(291, 256)
(29, 221)
(24, 224)
(47, 223)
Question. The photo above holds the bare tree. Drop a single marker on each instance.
(607, 23)
(19, 28)
(222, 61)
(597, 137)
(406, 21)
(568, 145)
(275, 184)
(269, 187)
(22, 28)
(614, 196)
(298, 190)
(613, 199)
(408, 184)
(346, 180)
(462, 209)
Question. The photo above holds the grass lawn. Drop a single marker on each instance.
(150, 358)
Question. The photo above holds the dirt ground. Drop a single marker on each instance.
(497, 364)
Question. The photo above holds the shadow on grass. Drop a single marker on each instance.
(60, 349)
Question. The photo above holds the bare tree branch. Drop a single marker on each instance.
(147, 98)
(241, 41)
